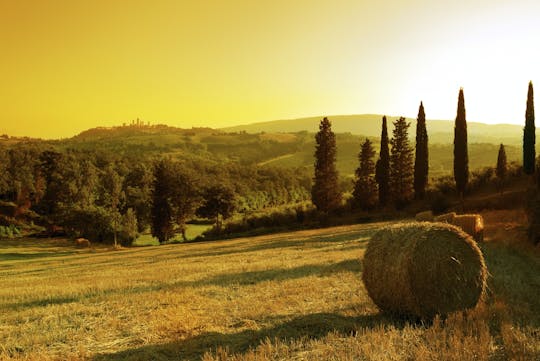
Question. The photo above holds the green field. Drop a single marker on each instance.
(286, 296)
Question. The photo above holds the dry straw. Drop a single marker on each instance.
(426, 216)
(473, 224)
(446, 218)
(424, 269)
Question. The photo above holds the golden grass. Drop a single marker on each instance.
(287, 296)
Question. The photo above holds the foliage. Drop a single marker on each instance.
(421, 160)
(401, 164)
(365, 187)
(162, 207)
(325, 192)
(529, 134)
(502, 166)
(382, 168)
(461, 159)
(218, 204)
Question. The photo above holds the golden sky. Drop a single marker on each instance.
(67, 65)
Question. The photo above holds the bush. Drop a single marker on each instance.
(439, 203)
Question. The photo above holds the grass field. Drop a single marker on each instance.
(292, 296)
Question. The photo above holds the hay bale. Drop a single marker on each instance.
(82, 243)
(426, 216)
(473, 224)
(423, 269)
(445, 218)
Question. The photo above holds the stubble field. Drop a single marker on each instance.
(296, 296)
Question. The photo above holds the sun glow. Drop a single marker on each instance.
(68, 66)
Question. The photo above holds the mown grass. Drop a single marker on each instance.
(287, 296)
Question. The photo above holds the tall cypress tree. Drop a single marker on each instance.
(382, 168)
(325, 193)
(401, 164)
(461, 158)
(421, 160)
(365, 187)
(529, 134)
(501, 169)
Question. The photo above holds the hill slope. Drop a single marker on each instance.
(291, 296)
(439, 131)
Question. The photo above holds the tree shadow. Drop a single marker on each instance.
(313, 326)
(13, 256)
(221, 280)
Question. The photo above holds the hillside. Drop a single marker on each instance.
(440, 131)
(286, 296)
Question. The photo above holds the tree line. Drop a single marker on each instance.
(401, 172)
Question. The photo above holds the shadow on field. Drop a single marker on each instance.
(13, 256)
(359, 237)
(221, 280)
(314, 326)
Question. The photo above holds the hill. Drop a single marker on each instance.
(440, 131)
(286, 296)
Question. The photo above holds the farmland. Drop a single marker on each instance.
(284, 296)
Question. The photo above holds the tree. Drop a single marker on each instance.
(218, 204)
(325, 192)
(162, 226)
(401, 164)
(111, 198)
(421, 160)
(184, 197)
(382, 168)
(461, 158)
(529, 134)
(501, 166)
(365, 187)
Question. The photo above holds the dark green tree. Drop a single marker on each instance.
(112, 196)
(162, 210)
(382, 168)
(401, 164)
(461, 158)
(529, 134)
(218, 204)
(365, 187)
(501, 167)
(325, 192)
(184, 197)
(421, 160)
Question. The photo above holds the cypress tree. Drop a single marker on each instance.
(461, 159)
(162, 226)
(365, 187)
(421, 160)
(529, 134)
(501, 166)
(401, 164)
(325, 192)
(382, 168)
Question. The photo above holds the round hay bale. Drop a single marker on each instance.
(473, 224)
(426, 216)
(445, 218)
(82, 243)
(423, 269)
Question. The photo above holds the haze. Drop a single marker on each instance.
(67, 65)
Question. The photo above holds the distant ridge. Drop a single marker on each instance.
(370, 125)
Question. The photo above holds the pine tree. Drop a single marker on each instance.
(382, 168)
(501, 166)
(461, 158)
(162, 213)
(529, 134)
(401, 164)
(325, 193)
(365, 187)
(421, 160)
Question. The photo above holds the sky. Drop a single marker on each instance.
(67, 66)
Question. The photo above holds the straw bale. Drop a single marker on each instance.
(473, 224)
(426, 216)
(423, 269)
(82, 242)
(445, 218)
